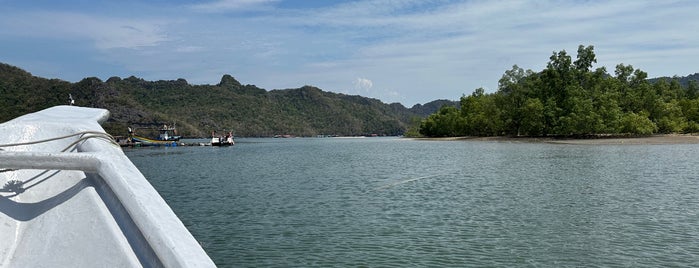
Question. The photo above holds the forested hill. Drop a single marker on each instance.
(199, 109)
(683, 80)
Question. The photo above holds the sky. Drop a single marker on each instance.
(405, 51)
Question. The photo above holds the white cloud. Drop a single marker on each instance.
(363, 84)
(450, 49)
(416, 50)
(232, 5)
(189, 49)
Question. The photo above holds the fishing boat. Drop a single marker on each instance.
(71, 198)
(226, 140)
(165, 133)
(166, 137)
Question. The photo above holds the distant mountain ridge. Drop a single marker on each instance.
(684, 80)
(199, 109)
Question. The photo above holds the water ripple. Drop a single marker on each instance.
(397, 203)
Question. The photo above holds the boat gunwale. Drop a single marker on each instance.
(164, 233)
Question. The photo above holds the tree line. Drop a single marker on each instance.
(569, 98)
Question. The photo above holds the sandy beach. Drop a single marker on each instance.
(647, 140)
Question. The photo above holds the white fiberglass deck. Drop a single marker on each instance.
(87, 207)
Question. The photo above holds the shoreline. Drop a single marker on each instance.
(644, 140)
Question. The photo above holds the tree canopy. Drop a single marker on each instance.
(570, 98)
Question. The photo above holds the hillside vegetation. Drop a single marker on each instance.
(199, 109)
(569, 98)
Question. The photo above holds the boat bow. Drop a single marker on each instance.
(82, 203)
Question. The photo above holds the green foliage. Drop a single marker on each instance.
(413, 130)
(637, 124)
(199, 109)
(21, 93)
(481, 114)
(568, 98)
(447, 122)
(532, 118)
(671, 119)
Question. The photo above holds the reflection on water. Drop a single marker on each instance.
(397, 202)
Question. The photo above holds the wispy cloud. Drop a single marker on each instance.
(456, 47)
(413, 50)
(232, 5)
(104, 32)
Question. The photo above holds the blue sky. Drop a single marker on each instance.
(403, 51)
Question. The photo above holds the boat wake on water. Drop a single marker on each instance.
(404, 181)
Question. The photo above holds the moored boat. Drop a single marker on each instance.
(167, 137)
(168, 133)
(226, 140)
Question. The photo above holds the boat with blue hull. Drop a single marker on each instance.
(166, 137)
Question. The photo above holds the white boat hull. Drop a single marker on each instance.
(86, 208)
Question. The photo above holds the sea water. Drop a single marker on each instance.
(393, 202)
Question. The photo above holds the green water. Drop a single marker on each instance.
(389, 202)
